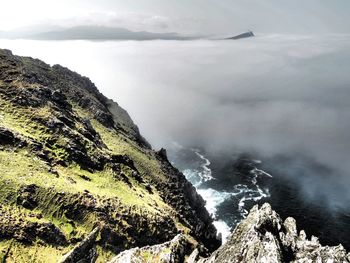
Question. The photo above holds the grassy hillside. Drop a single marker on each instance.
(69, 163)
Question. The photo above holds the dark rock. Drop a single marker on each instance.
(49, 233)
(124, 159)
(26, 196)
(27, 232)
(182, 195)
(264, 237)
(243, 35)
(173, 251)
(55, 124)
(84, 177)
(137, 176)
(60, 99)
(6, 137)
(105, 118)
(84, 252)
(162, 154)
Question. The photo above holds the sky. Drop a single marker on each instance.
(204, 17)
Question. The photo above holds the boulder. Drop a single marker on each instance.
(169, 252)
(84, 252)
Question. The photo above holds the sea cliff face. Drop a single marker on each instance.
(72, 161)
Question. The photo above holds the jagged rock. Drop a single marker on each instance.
(59, 98)
(290, 235)
(182, 195)
(243, 35)
(262, 237)
(125, 123)
(84, 252)
(6, 136)
(26, 195)
(194, 256)
(162, 154)
(169, 252)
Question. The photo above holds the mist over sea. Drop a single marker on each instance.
(279, 99)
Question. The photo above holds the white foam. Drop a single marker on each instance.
(223, 229)
(206, 174)
(260, 172)
(193, 177)
(213, 198)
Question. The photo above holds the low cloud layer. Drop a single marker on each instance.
(273, 95)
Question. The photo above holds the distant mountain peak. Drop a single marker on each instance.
(89, 32)
(243, 35)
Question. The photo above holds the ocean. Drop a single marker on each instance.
(232, 185)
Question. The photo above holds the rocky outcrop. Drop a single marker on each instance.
(264, 237)
(124, 123)
(59, 85)
(243, 35)
(84, 252)
(14, 226)
(182, 195)
(173, 251)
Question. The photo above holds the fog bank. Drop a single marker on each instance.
(273, 95)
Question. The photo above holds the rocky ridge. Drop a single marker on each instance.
(264, 237)
(170, 252)
(261, 237)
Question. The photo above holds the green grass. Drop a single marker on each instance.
(37, 253)
(31, 170)
(20, 121)
(20, 167)
(41, 253)
(144, 160)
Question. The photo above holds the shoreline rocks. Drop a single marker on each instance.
(264, 237)
(261, 237)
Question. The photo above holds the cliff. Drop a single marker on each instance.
(261, 237)
(71, 161)
(264, 237)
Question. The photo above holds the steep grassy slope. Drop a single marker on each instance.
(71, 160)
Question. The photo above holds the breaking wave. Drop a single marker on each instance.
(251, 191)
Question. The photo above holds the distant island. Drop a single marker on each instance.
(243, 35)
(89, 32)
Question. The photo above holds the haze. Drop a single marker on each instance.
(203, 17)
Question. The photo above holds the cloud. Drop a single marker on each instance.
(273, 96)
(130, 20)
(127, 20)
